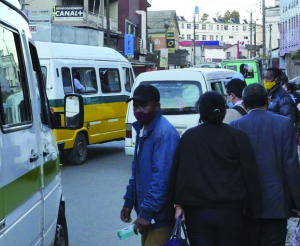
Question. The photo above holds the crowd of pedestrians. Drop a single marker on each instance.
(234, 178)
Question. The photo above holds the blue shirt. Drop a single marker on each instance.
(151, 168)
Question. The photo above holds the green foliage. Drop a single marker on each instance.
(234, 14)
(296, 56)
(204, 17)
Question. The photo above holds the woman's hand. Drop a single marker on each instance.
(179, 212)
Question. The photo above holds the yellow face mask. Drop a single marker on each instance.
(269, 85)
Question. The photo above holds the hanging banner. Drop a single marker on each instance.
(163, 58)
(129, 44)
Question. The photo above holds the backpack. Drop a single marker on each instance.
(240, 109)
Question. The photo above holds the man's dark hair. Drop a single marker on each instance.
(212, 107)
(290, 87)
(255, 96)
(235, 86)
(276, 72)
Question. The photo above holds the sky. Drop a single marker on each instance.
(186, 8)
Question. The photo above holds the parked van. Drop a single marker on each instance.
(106, 77)
(32, 207)
(251, 69)
(179, 91)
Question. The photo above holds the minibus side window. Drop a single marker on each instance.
(40, 85)
(109, 80)
(14, 101)
(44, 72)
(66, 80)
(217, 86)
(84, 80)
(128, 79)
(247, 70)
(231, 67)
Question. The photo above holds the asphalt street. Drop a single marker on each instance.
(94, 196)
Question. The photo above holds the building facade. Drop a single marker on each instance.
(289, 35)
(229, 33)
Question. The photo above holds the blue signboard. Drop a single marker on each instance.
(129, 44)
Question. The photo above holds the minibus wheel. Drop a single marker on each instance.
(61, 234)
(77, 155)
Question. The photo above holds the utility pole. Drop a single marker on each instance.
(251, 30)
(107, 23)
(264, 34)
(255, 38)
(194, 41)
(270, 46)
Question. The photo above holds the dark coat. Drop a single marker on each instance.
(273, 139)
(215, 167)
(281, 102)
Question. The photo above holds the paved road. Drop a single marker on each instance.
(94, 196)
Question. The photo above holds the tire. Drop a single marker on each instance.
(77, 155)
(61, 234)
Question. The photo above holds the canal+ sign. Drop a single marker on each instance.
(68, 13)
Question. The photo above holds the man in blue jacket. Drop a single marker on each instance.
(281, 102)
(156, 142)
(273, 139)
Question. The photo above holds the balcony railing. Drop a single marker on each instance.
(99, 21)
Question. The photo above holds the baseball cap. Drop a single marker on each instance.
(145, 93)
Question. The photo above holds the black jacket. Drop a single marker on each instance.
(215, 166)
(282, 103)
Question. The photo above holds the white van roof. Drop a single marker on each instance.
(47, 50)
(213, 73)
(208, 73)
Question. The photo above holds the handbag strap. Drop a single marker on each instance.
(177, 228)
(184, 231)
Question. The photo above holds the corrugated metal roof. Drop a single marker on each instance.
(156, 20)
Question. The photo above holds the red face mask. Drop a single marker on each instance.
(143, 118)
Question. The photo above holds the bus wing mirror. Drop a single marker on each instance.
(73, 113)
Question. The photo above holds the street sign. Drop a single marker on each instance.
(129, 44)
(170, 34)
(68, 13)
(171, 45)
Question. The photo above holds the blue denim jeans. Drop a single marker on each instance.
(214, 226)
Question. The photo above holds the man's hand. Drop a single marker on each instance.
(179, 212)
(125, 215)
(141, 225)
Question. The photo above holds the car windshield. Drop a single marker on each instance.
(178, 97)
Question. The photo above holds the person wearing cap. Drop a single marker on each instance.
(234, 89)
(156, 142)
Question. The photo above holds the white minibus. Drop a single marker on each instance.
(179, 91)
(32, 206)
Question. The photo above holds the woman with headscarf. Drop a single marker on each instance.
(215, 178)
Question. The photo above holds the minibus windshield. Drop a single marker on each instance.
(178, 97)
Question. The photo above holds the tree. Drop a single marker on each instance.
(226, 16)
(218, 14)
(236, 16)
(204, 17)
